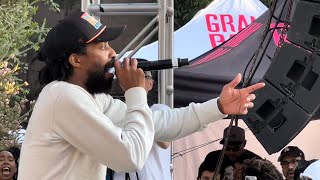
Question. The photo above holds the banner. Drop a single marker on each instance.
(210, 27)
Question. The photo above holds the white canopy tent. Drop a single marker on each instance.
(209, 28)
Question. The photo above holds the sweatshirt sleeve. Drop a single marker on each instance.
(79, 120)
(179, 122)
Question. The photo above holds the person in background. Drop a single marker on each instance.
(289, 159)
(302, 166)
(157, 166)
(207, 171)
(77, 129)
(260, 169)
(21, 132)
(312, 172)
(9, 159)
(235, 150)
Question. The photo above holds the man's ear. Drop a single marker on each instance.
(74, 60)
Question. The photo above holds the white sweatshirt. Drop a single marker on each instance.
(73, 135)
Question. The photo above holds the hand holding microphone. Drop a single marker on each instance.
(128, 74)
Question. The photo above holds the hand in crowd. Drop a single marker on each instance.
(237, 101)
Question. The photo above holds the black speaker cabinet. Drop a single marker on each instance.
(292, 92)
(305, 25)
(295, 72)
(275, 120)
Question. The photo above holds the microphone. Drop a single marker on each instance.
(146, 65)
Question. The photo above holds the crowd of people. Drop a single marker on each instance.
(79, 131)
(241, 164)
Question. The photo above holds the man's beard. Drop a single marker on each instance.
(98, 83)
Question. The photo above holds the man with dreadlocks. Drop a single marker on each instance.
(77, 129)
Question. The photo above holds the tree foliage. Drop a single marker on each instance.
(19, 34)
(185, 10)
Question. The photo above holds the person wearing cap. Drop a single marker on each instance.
(289, 159)
(77, 129)
(235, 152)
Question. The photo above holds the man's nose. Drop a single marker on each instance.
(291, 166)
(112, 52)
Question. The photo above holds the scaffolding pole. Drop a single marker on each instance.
(164, 10)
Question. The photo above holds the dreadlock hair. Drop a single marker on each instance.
(59, 68)
(262, 169)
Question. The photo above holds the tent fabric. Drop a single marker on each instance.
(207, 74)
(209, 28)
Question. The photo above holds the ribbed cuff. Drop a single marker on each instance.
(135, 95)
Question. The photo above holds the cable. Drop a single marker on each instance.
(188, 150)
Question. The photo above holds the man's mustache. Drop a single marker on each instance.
(109, 65)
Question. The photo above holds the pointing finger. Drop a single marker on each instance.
(254, 87)
(234, 82)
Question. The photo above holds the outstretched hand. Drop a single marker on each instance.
(237, 101)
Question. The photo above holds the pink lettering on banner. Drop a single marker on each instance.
(228, 46)
(242, 22)
(216, 39)
(227, 19)
(211, 21)
(222, 27)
